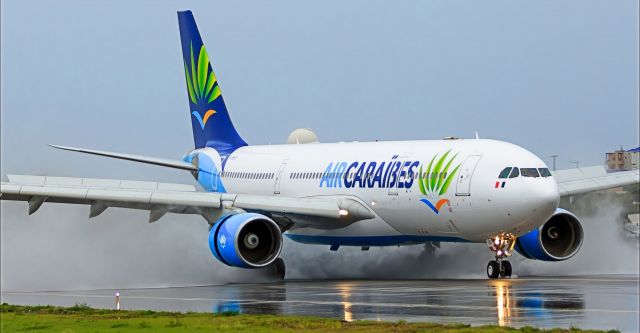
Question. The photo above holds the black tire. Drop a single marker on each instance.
(505, 269)
(279, 268)
(493, 269)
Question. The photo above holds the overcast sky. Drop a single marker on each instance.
(554, 76)
(557, 77)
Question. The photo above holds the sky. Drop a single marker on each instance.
(556, 77)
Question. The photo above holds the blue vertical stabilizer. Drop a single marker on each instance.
(212, 126)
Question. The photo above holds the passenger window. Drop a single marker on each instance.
(544, 172)
(505, 172)
(529, 172)
(514, 173)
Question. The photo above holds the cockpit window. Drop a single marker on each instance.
(505, 173)
(530, 172)
(514, 173)
(544, 172)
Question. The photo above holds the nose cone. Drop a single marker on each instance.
(544, 198)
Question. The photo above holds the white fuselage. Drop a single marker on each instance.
(385, 176)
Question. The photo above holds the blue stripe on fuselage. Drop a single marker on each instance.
(371, 240)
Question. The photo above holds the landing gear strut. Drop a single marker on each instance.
(279, 268)
(502, 245)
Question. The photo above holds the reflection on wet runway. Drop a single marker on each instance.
(585, 302)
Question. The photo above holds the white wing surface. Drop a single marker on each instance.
(162, 198)
(589, 179)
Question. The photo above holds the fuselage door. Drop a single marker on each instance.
(279, 174)
(463, 184)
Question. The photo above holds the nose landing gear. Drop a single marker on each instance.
(502, 245)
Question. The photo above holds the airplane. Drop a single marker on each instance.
(361, 194)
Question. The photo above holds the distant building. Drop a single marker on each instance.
(621, 160)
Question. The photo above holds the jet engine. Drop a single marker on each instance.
(246, 240)
(557, 239)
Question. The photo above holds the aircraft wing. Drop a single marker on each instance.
(162, 198)
(589, 179)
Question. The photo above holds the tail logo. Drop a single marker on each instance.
(436, 180)
(202, 86)
(203, 121)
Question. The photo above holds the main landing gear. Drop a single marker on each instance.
(279, 268)
(502, 245)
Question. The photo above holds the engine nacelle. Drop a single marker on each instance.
(557, 239)
(246, 240)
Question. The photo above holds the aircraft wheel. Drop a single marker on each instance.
(279, 268)
(505, 269)
(493, 269)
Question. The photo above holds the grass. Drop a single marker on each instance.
(81, 318)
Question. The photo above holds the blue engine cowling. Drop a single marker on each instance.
(557, 239)
(246, 240)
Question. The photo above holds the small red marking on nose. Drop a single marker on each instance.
(497, 184)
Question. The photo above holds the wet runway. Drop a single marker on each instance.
(585, 302)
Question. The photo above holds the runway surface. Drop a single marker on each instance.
(609, 302)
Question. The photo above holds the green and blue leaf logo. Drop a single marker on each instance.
(202, 86)
(436, 180)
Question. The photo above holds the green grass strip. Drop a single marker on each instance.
(81, 318)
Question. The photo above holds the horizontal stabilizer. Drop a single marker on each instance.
(177, 164)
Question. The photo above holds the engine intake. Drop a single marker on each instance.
(246, 240)
(557, 239)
